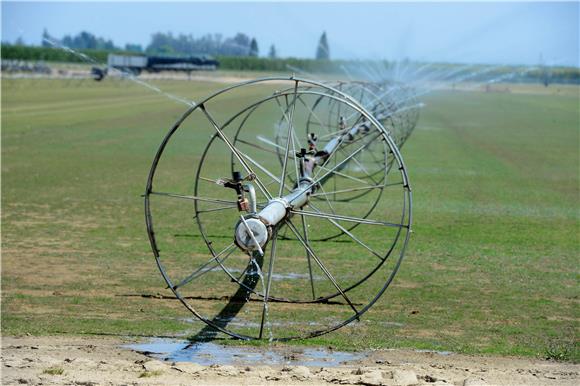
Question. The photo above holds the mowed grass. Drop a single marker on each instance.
(492, 266)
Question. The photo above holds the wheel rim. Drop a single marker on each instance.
(230, 261)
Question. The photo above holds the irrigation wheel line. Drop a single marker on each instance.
(276, 147)
(296, 215)
(342, 230)
(367, 94)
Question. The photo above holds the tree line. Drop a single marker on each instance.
(247, 63)
(243, 63)
(210, 44)
(168, 44)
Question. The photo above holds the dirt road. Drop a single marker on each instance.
(102, 361)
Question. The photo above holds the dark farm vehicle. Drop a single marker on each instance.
(134, 65)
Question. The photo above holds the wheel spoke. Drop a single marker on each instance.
(214, 210)
(305, 227)
(313, 114)
(262, 168)
(269, 281)
(235, 151)
(375, 158)
(364, 146)
(346, 218)
(344, 230)
(321, 265)
(294, 137)
(256, 146)
(272, 143)
(242, 274)
(289, 140)
(318, 181)
(194, 198)
(364, 169)
(348, 176)
(208, 180)
(355, 189)
(269, 142)
(327, 201)
(353, 114)
(335, 167)
(200, 272)
(334, 133)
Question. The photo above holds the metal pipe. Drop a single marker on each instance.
(279, 208)
(254, 231)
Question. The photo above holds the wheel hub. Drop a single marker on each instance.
(245, 240)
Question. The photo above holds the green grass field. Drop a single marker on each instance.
(492, 266)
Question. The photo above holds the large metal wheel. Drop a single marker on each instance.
(216, 213)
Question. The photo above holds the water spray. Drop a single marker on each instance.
(124, 74)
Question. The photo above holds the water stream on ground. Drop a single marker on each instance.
(208, 353)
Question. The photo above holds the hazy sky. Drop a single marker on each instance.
(514, 33)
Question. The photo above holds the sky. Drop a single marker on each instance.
(491, 32)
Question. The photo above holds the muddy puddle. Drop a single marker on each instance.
(208, 353)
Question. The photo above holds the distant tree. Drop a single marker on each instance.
(103, 44)
(160, 43)
(212, 44)
(183, 44)
(545, 73)
(85, 40)
(254, 50)
(242, 39)
(67, 40)
(19, 41)
(209, 44)
(272, 53)
(239, 45)
(46, 39)
(322, 51)
(133, 47)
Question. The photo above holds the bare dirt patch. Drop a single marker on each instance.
(102, 361)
